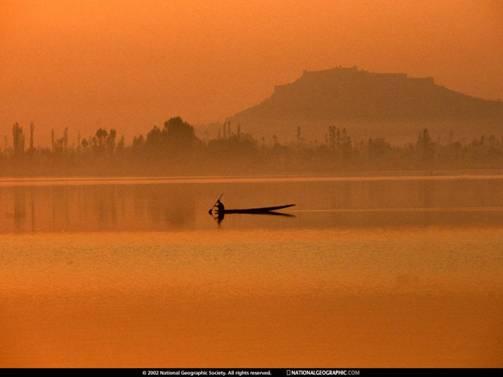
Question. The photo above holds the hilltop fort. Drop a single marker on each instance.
(392, 105)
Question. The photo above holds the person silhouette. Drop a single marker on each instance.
(220, 206)
(217, 211)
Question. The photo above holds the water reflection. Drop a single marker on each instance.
(94, 208)
(167, 205)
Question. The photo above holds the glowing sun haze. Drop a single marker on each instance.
(132, 64)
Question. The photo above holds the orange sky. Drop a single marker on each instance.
(131, 64)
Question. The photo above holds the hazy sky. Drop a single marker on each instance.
(131, 64)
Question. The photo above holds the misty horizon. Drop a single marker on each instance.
(208, 130)
(116, 65)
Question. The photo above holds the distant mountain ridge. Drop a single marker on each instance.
(391, 105)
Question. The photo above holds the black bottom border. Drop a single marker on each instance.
(250, 372)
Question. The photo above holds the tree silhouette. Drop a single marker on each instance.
(179, 133)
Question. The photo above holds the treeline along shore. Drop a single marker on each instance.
(174, 149)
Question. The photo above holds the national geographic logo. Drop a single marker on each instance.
(322, 372)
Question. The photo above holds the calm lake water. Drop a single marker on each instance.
(368, 272)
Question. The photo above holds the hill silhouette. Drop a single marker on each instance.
(390, 105)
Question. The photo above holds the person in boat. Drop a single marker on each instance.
(219, 206)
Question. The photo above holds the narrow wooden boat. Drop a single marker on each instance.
(215, 211)
(258, 210)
